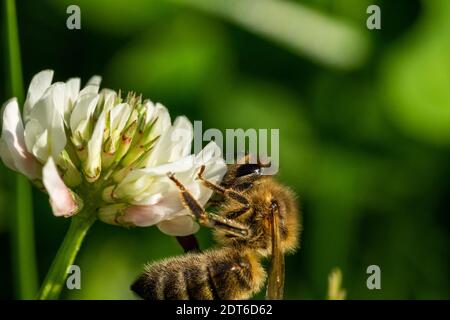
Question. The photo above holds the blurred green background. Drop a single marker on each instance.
(364, 119)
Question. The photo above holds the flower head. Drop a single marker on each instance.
(111, 153)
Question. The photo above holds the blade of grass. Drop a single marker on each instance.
(22, 232)
(304, 31)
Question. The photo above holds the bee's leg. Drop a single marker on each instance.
(236, 213)
(230, 193)
(209, 219)
(214, 202)
(227, 192)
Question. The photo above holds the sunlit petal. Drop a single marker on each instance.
(179, 226)
(61, 198)
(13, 150)
(38, 85)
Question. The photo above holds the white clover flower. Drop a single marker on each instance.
(108, 153)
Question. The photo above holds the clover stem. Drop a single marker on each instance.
(56, 276)
(22, 228)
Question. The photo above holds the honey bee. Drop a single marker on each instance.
(256, 217)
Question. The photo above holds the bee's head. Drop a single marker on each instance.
(244, 173)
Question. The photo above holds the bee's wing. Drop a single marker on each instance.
(275, 286)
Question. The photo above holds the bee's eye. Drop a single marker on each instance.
(247, 169)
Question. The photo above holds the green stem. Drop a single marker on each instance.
(55, 279)
(13, 65)
(22, 232)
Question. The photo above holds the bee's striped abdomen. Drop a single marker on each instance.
(225, 273)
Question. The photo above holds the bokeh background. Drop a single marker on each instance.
(364, 119)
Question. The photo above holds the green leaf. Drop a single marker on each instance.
(304, 31)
